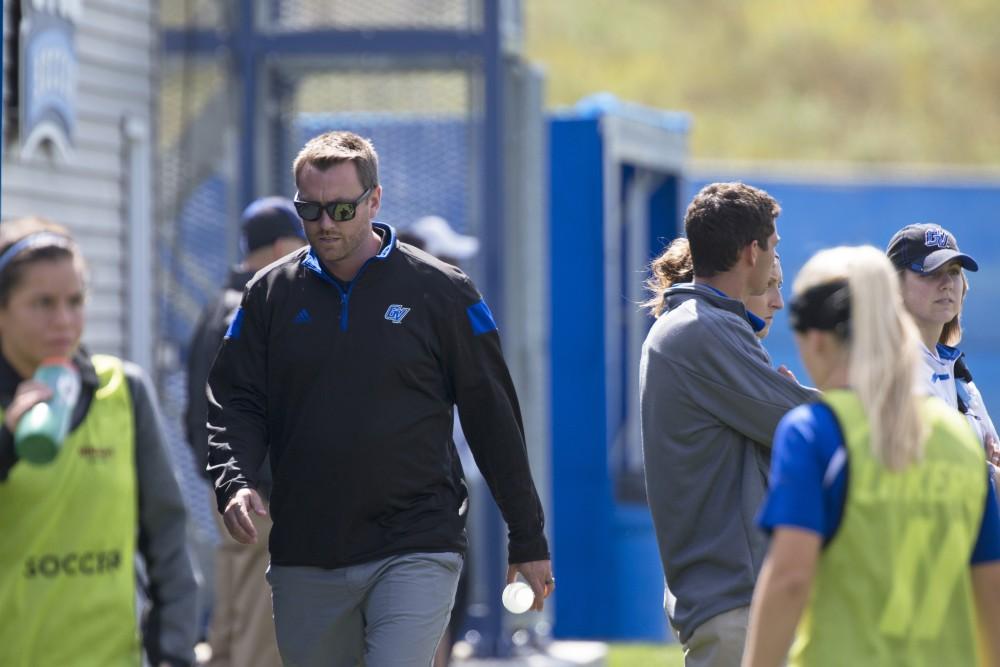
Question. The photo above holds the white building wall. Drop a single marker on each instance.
(88, 191)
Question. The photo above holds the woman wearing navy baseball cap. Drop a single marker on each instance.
(932, 277)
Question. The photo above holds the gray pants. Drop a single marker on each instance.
(718, 642)
(387, 613)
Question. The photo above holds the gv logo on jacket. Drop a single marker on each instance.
(396, 313)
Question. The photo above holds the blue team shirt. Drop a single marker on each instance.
(809, 481)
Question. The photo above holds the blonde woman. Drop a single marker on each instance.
(885, 528)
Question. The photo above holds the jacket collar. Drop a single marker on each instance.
(678, 294)
(948, 353)
(388, 234)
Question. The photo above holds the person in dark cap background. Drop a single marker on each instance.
(271, 229)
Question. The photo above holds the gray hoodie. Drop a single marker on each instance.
(710, 402)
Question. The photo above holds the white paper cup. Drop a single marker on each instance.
(518, 597)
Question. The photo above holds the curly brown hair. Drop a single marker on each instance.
(723, 219)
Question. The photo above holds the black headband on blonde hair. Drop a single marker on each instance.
(33, 242)
(826, 307)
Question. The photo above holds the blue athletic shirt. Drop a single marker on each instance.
(809, 481)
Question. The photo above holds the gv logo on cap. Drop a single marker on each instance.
(936, 237)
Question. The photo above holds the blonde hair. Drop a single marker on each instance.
(883, 348)
(672, 267)
(326, 150)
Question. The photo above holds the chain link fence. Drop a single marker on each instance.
(292, 15)
(192, 253)
(423, 126)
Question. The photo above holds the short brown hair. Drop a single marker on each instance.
(723, 219)
(12, 231)
(330, 148)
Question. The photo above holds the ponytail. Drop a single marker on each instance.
(883, 348)
(672, 267)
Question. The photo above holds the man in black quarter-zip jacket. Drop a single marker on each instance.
(344, 363)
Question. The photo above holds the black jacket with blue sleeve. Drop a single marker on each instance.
(350, 388)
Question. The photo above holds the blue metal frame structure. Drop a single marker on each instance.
(247, 47)
(615, 172)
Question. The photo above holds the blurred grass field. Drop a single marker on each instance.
(645, 655)
(856, 80)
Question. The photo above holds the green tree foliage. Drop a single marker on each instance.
(859, 80)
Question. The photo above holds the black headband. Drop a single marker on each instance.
(826, 307)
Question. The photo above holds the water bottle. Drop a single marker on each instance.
(42, 429)
(517, 597)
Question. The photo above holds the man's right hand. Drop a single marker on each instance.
(237, 515)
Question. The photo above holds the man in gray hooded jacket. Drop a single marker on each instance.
(710, 402)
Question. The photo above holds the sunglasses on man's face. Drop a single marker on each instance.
(339, 211)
